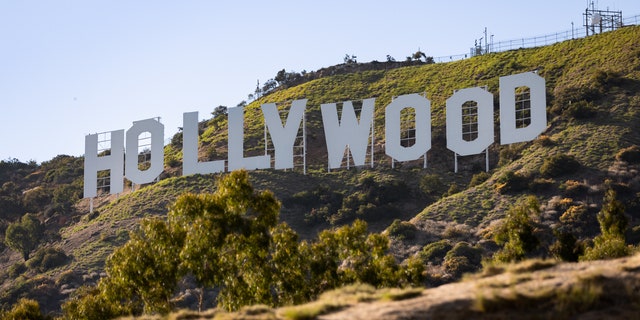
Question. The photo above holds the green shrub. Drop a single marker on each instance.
(512, 182)
(458, 265)
(517, 232)
(610, 244)
(68, 277)
(574, 188)
(402, 230)
(581, 110)
(630, 154)
(17, 269)
(464, 249)
(432, 185)
(479, 178)
(434, 252)
(47, 259)
(606, 247)
(544, 141)
(559, 165)
(453, 189)
(25, 309)
(510, 153)
(461, 259)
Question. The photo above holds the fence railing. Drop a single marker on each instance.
(532, 42)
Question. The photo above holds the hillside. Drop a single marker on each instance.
(534, 289)
(593, 106)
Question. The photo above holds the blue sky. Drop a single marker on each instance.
(69, 68)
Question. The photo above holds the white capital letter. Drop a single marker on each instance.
(508, 131)
(156, 130)
(284, 137)
(190, 164)
(114, 162)
(422, 107)
(347, 132)
(484, 120)
(236, 144)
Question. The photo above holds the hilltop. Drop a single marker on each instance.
(593, 106)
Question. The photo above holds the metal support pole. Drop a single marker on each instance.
(304, 143)
(455, 161)
(487, 160)
(373, 137)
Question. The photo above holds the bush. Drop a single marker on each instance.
(432, 185)
(17, 269)
(479, 178)
(464, 249)
(629, 155)
(47, 259)
(581, 110)
(512, 182)
(434, 252)
(462, 258)
(402, 230)
(25, 309)
(509, 153)
(544, 141)
(606, 247)
(574, 188)
(453, 189)
(517, 232)
(610, 244)
(559, 165)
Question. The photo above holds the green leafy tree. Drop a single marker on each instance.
(24, 235)
(517, 232)
(88, 303)
(25, 309)
(350, 254)
(227, 237)
(289, 276)
(612, 220)
(611, 242)
(145, 270)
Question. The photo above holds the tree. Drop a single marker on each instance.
(227, 236)
(24, 235)
(611, 242)
(25, 309)
(231, 241)
(611, 218)
(350, 59)
(219, 111)
(350, 254)
(146, 268)
(517, 232)
(418, 55)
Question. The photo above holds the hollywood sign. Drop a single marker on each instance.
(344, 133)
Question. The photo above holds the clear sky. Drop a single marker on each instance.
(69, 68)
